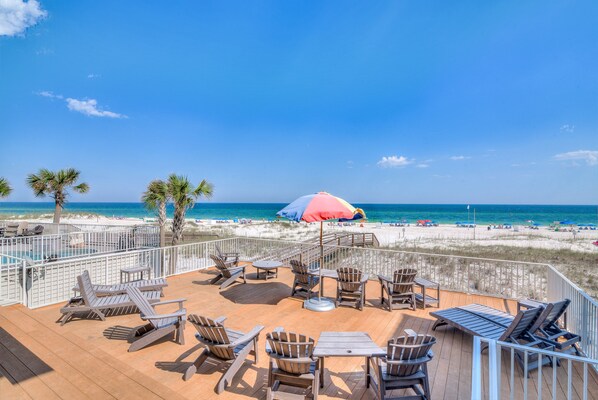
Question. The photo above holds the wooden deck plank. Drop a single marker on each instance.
(105, 369)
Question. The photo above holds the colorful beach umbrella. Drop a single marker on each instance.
(320, 207)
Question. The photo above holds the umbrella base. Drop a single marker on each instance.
(320, 305)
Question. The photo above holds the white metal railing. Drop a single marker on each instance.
(494, 378)
(11, 279)
(42, 248)
(62, 228)
(51, 283)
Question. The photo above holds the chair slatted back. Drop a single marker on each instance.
(403, 280)
(22, 228)
(141, 302)
(292, 351)
(221, 265)
(349, 279)
(214, 335)
(521, 325)
(301, 272)
(551, 316)
(86, 289)
(411, 347)
(11, 229)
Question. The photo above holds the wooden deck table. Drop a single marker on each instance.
(347, 344)
(422, 297)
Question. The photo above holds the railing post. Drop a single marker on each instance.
(476, 369)
(24, 284)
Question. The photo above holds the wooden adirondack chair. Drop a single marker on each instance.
(350, 287)
(89, 302)
(405, 366)
(291, 364)
(230, 256)
(230, 271)
(159, 325)
(223, 344)
(400, 290)
(304, 282)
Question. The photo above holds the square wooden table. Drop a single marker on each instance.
(347, 344)
(422, 297)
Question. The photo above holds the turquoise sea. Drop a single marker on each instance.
(441, 213)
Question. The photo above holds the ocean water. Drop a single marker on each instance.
(441, 213)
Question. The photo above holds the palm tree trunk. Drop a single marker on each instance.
(162, 223)
(57, 213)
(178, 224)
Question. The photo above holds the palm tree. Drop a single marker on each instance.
(56, 185)
(155, 199)
(5, 188)
(183, 195)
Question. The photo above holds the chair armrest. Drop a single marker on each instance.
(248, 336)
(220, 320)
(364, 278)
(177, 314)
(384, 279)
(415, 361)
(161, 303)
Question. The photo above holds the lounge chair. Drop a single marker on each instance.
(548, 327)
(223, 344)
(88, 302)
(121, 288)
(11, 229)
(304, 282)
(398, 292)
(231, 256)
(228, 270)
(38, 230)
(350, 287)
(478, 320)
(405, 366)
(291, 364)
(159, 325)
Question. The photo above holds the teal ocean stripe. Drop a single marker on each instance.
(441, 213)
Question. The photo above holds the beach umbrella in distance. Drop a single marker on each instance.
(320, 207)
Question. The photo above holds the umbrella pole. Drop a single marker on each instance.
(321, 259)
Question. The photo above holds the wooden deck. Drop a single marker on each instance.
(88, 358)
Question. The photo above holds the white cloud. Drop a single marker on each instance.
(422, 165)
(394, 162)
(90, 107)
(589, 156)
(49, 94)
(567, 128)
(350, 164)
(459, 158)
(17, 15)
(93, 76)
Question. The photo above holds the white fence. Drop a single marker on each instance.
(12, 273)
(493, 377)
(62, 228)
(42, 248)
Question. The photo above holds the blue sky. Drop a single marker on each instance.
(388, 102)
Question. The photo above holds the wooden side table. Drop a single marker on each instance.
(127, 272)
(424, 298)
(347, 344)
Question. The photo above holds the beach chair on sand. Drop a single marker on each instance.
(291, 364)
(228, 270)
(121, 288)
(11, 229)
(404, 367)
(350, 287)
(231, 256)
(90, 303)
(487, 322)
(398, 292)
(304, 282)
(223, 344)
(159, 325)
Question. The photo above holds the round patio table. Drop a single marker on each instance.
(270, 268)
